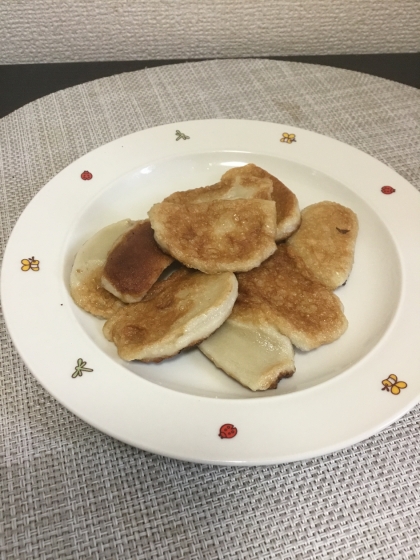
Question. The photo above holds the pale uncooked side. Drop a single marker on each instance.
(257, 356)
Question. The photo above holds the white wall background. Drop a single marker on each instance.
(85, 30)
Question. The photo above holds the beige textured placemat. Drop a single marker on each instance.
(68, 491)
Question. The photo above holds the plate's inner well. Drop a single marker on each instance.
(370, 296)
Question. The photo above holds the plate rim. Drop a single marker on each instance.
(225, 455)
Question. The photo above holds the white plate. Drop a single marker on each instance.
(184, 407)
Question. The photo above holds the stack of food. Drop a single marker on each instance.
(234, 268)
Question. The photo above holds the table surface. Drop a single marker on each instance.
(23, 83)
(69, 491)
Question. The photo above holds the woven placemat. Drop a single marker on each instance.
(67, 491)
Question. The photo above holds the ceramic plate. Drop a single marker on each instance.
(184, 407)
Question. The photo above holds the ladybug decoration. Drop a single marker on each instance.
(387, 189)
(86, 175)
(228, 431)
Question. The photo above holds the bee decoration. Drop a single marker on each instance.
(392, 384)
(30, 264)
(181, 136)
(80, 368)
(288, 138)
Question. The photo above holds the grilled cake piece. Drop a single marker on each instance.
(85, 278)
(288, 212)
(325, 243)
(287, 206)
(134, 263)
(251, 351)
(239, 186)
(177, 312)
(249, 181)
(276, 306)
(217, 236)
(302, 309)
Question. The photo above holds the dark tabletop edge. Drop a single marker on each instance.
(22, 83)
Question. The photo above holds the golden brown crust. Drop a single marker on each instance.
(288, 213)
(302, 309)
(148, 321)
(244, 182)
(134, 263)
(325, 243)
(93, 298)
(165, 321)
(238, 182)
(249, 181)
(222, 235)
(86, 272)
(287, 206)
(200, 194)
(276, 380)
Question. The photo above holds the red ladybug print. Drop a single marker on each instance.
(228, 431)
(388, 190)
(86, 175)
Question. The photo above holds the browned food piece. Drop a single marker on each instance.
(236, 187)
(278, 293)
(178, 312)
(221, 235)
(93, 298)
(325, 243)
(249, 181)
(85, 278)
(288, 213)
(251, 351)
(276, 306)
(287, 206)
(134, 263)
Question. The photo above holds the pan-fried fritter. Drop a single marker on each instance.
(85, 278)
(246, 323)
(178, 312)
(300, 308)
(325, 242)
(249, 181)
(237, 187)
(221, 235)
(287, 206)
(134, 263)
(278, 304)
(251, 351)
